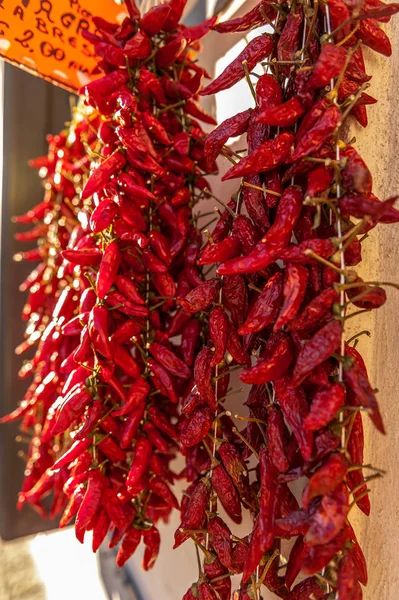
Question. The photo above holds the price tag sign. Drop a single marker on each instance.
(45, 36)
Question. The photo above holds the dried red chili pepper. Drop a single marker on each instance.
(215, 141)
(294, 405)
(273, 362)
(318, 349)
(257, 49)
(201, 297)
(265, 309)
(266, 157)
(283, 115)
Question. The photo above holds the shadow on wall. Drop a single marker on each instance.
(32, 109)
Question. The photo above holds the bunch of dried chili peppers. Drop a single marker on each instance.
(286, 249)
(117, 242)
(135, 349)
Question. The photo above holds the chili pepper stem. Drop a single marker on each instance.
(357, 335)
(248, 78)
(267, 567)
(235, 430)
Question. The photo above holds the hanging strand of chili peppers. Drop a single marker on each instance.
(107, 375)
(287, 282)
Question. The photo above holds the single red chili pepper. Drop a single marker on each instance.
(156, 439)
(138, 392)
(152, 541)
(310, 317)
(161, 422)
(348, 87)
(203, 376)
(189, 341)
(253, 18)
(346, 575)
(266, 157)
(227, 493)
(131, 425)
(318, 349)
(219, 332)
(307, 588)
(197, 426)
(360, 206)
(118, 301)
(156, 128)
(105, 85)
(235, 467)
(317, 135)
(294, 564)
(170, 52)
(294, 405)
(265, 309)
(289, 40)
(111, 449)
(268, 486)
(93, 415)
(115, 383)
(100, 177)
(154, 19)
(129, 289)
(274, 361)
(98, 330)
(319, 179)
(356, 379)
(374, 37)
(234, 126)
(194, 512)
(254, 553)
(340, 18)
(201, 297)
(125, 332)
(295, 282)
(283, 115)
(34, 214)
(326, 478)
(220, 251)
(169, 360)
(90, 504)
(257, 49)
(159, 487)
(356, 175)
(355, 478)
(163, 380)
(71, 409)
(100, 529)
(246, 233)
(108, 269)
(235, 298)
(329, 517)
(276, 433)
(83, 257)
(358, 557)
(325, 405)
(128, 547)
(328, 66)
(297, 253)
(139, 47)
(73, 506)
(276, 238)
(41, 488)
(142, 453)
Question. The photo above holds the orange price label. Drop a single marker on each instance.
(45, 36)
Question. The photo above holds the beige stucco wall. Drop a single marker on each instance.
(379, 146)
